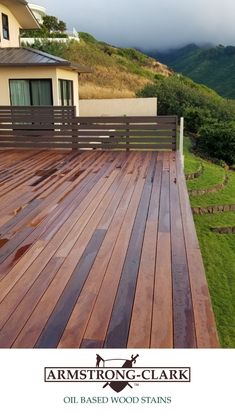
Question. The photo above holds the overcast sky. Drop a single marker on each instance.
(149, 23)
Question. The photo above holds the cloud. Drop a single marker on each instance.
(150, 23)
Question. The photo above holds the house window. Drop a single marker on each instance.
(66, 92)
(5, 27)
(31, 92)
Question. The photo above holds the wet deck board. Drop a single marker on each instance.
(99, 249)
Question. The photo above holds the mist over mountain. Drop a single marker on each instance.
(150, 23)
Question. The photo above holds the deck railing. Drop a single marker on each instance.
(57, 127)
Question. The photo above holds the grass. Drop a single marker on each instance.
(218, 254)
(126, 69)
(225, 196)
(212, 175)
(218, 250)
(192, 163)
(93, 91)
(117, 72)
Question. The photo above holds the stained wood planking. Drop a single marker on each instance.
(162, 320)
(55, 326)
(84, 187)
(63, 260)
(55, 218)
(55, 191)
(183, 317)
(141, 321)
(72, 254)
(17, 320)
(99, 320)
(77, 324)
(117, 333)
(58, 217)
(60, 316)
(93, 242)
(14, 286)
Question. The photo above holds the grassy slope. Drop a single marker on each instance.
(214, 67)
(224, 196)
(117, 72)
(217, 249)
(212, 175)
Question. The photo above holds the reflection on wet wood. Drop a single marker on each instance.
(98, 249)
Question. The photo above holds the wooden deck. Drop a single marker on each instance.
(99, 249)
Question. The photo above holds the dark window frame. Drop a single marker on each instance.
(5, 27)
(61, 93)
(30, 87)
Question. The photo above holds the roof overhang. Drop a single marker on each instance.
(69, 66)
(29, 57)
(81, 69)
(22, 13)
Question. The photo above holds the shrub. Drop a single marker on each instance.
(205, 113)
(177, 93)
(51, 47)
(195, 117)
(132, 54)
(174, 95)
(106, 48)
(158, 77)
(218, 141)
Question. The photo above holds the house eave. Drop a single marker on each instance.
(22, 13)
(66, 66)
(32, 58)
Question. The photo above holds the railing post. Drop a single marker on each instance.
(75, 133)
(127, 136)
(181, 144)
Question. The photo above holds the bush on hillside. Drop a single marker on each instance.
(173, 95)
(177, 93)
(107, 49)
(218, 141)
(204, 111)
(51, 47)
(133, 54)
(158, 77)
(195, 117)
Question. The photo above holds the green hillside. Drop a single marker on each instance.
(117, 72)
(212, 66)
(216, 236)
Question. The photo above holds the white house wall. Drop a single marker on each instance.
(73, 76)
(14, 29)
(8, 73)
(119, 107)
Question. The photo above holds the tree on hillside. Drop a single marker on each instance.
(51, 26)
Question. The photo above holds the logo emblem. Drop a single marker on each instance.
(123, 363)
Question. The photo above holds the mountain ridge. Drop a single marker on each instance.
(213, 66)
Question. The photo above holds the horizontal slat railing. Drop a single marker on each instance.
(57, 127)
